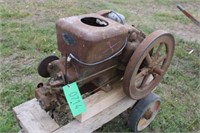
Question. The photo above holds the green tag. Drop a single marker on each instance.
(74, 99)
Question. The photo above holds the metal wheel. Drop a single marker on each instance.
(42, 67)
(144, 112)
(148, 64)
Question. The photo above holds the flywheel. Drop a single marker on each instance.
(148, 64)
(42, 67)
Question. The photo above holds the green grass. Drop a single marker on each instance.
(167, 16)
(12, 95)
(27, 35)
(180, 108)
(6, 12)
(146, 29)
(167, 2)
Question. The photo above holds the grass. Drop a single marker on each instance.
(7, 13)
(167, 2)
(183, 81)
(27, 34)
(167, 16)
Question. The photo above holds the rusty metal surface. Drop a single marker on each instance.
(148, 60)
(87, 40)
(96, 51)
(192, 18)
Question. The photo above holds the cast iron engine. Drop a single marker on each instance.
(100, 48)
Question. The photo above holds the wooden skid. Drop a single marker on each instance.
(98, 120)
(101, 108)
(33, 119)
(101, 100)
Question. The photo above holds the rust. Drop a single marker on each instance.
(97, 49)
(142, 64)
(186, 13)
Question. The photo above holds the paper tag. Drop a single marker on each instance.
(74, 99)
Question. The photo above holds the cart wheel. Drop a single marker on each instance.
(148, 64)
(42, 67)
(144, 112)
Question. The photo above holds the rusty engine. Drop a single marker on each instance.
(100, 48)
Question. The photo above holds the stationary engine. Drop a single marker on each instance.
(98, 49)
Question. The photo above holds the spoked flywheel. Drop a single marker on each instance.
(148, 64)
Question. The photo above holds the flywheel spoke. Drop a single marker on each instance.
(144, 81)
(160, 59)
(158, 71)
(142, 73)
(148, 59)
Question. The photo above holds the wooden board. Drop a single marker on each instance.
(101, 100)
(98, 120)
(33, 119)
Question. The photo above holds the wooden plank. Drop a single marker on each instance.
(34, 119)
(98, 120)
(101, 100)
(23, 107)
